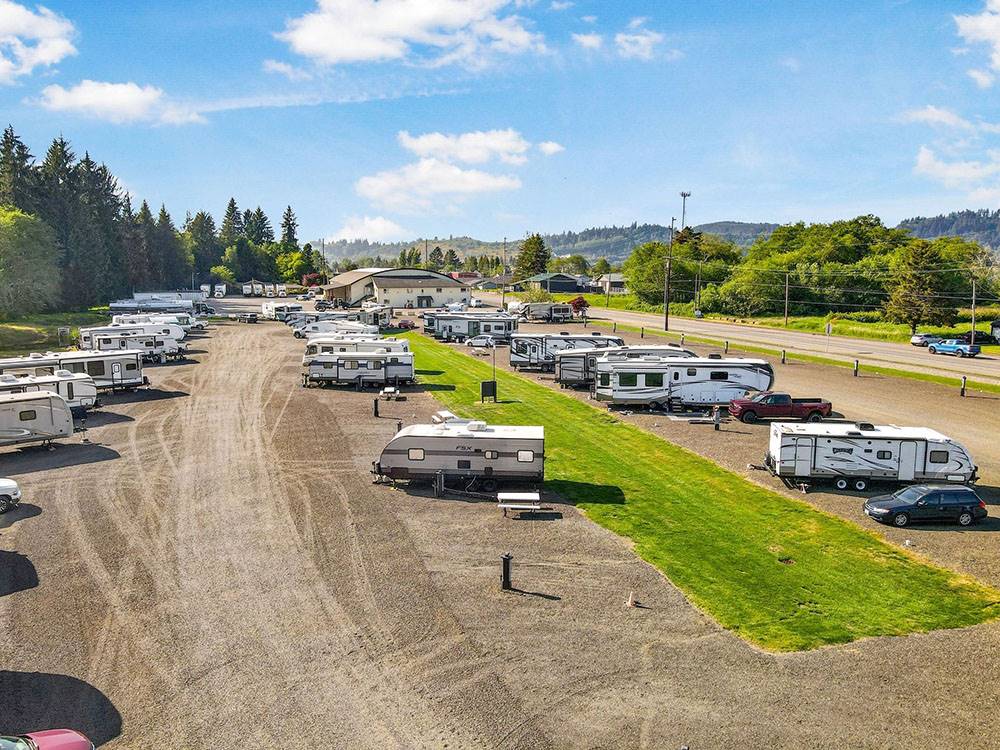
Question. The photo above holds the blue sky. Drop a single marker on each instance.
(394, 119)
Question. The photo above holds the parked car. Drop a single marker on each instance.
(406, 325)
(927, 502)
(247, 318)
(322, 305)
(49, 739)
(768, 405)
(303, 298)
(954, 347)
(10, 496)
(924, 339)
(982, 338)
(487, 341)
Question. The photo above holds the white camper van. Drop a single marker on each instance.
(670, 381)
(852, 455)
(152, 347)
(109, 370)
(463, 449)
(330, 345)
(577, 367)
(77, 388)
(34, 418)
(360, 368)
(538, 350)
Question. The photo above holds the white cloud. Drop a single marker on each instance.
(932, 115)
(589, 41)
(477, 147)
(588, 19)
(435, 32)
(372, 228)
(420, 185)
(117, 103)
(550, 148)
(956, 174)
(561, 5)
(640, 43)
(288, 71)
(31, 39)
(983, 28)
(983, 78)
(791, 63)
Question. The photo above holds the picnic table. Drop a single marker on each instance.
(518, 502)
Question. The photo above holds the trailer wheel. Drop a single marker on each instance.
(749, 417)
(489, 485)
(861, 485)
(965, 518)
(815, 417)
(901, 519)
(841, 483)
(6, 503)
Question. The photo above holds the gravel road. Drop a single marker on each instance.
(215, 570)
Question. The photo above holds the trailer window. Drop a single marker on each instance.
(351, 365)
(465, 464)
(883, 455)
(691, 373)
(719, 375)
(491, 455)
(605, 379)
(69, 391)
(27, 416)
(939, 457)
(76, 366)
(627, 379)
(131, 366)
(525, 457)
(95, 368)
(415, 454)
(653, 379)
(377, 365)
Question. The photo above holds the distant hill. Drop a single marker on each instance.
(982, 226)
(614, 242)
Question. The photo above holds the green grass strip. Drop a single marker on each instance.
(772, 569)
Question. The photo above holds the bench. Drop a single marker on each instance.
(518, 502)
(389, 393)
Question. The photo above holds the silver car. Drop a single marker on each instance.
(487, 341)
(924, 339)
(10, 495)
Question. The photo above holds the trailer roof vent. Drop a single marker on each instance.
(35, 355)
(866, 426)
(443, 416)
(715, 355)
(63, 374)
(476, 426)
(598, 333)
(854, 433)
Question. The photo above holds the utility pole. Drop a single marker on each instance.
(684, 202)
(973, 339)
(504, 272)
(786, 299)
(666, 280)
(425, 252)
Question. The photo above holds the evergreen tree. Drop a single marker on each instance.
(135, 264)
(435, 259)
(96, 227)
(174, 264)
(202, 244)
(144, 268)
(17, 179)
(263, 231)
(232, 225)
(601, 266)
(451, 260)
(289, 228)
(250, 230)
(915, 297)
(532, 259)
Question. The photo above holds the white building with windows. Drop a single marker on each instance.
(397, 287)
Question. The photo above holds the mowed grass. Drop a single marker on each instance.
(773, 570)
(33, 333)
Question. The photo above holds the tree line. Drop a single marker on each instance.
(71, 238)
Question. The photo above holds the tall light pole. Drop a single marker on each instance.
(684, 202)
(666, 278)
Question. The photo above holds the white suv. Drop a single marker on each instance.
(10, 495)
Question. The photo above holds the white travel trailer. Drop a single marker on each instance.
(299, 319)
(279, 310)
(670, 381)
(109, 370)
(577, 367)
(151, 346)
(362, 369)
(34, 418)
(853, 455)
(77, 388)
(458, 327)
(329, 345)
(538, 350)
(184, 320)
(466, 450)
(330, 327)
(166, 330)
(553, 312)
(133, 306)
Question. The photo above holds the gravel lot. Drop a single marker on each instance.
(215, 570)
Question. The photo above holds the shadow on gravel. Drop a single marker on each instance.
(574, 493)
(22, 512)
(36, 700)
(102, 419)
(17, 573)
(548, 597)
(141, 396)
(195, 351)
(41, 459)
(990, 524)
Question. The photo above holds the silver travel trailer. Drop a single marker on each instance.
(77, 388)
(551, 312)
(299, 319)
(167, 330)
(327, 345)
(461, 326)
(538, 350)
(670, 381)
(151, 346)
(34, 418)
(360, 368)
(279, 310)
(577, 367)
(330, 327)
(109, 370)
(184, 320)
(463, 449)
(133, 306)
(853, 455)
(375, 315)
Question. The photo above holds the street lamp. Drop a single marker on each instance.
(684, 199)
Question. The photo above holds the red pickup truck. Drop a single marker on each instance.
(768, 405)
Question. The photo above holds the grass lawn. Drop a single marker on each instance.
(40, 332)
(772, 569)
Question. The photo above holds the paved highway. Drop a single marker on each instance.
(885, 353)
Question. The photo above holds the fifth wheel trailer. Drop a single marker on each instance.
(467, 450)
(578, 367)
(852, 455)
(79, 389)
(538, 350)
(110, 370)
(34, 418)
(325, 345)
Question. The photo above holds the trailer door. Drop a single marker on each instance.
(803, 456)
(907, 460)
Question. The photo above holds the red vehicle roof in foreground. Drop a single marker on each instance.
(59, 739)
